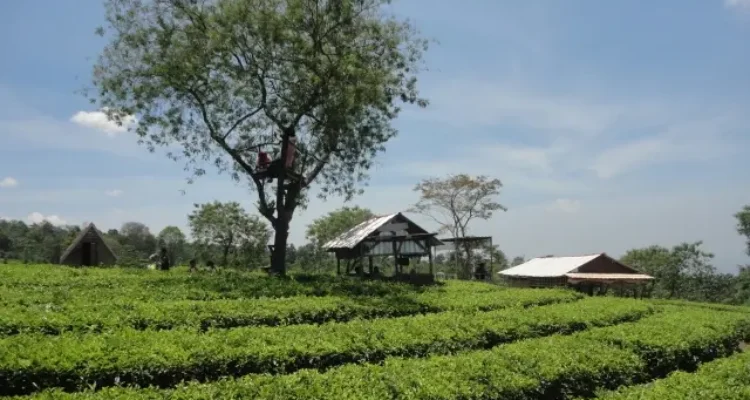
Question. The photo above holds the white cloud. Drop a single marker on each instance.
(684, 141)
(38, 218)
(99, 120)
(743, 4)
(114, 193)
(566, 205)
(8, 182)
(475, 102)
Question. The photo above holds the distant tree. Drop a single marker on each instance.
(229, 228)
(518, 260)
(174, 241)
(674, 268)
(743, 225)
(455, 201)
(6, 244)
(742, 286)
(138, 237)
(219, 78)
(499, 260)
(335, 223)
(310, 258)
(291, 253)
(440, 259)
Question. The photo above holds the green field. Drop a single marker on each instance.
(134, 334)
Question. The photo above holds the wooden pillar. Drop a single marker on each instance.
(395, 258)
(370, 264)
(429, 252)
(338, 266)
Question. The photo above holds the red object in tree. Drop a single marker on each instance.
(263, 160)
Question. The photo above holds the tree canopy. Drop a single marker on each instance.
(335, 223)
(222, 79)
(743, 225)
(680, 271)
(453, 202)
(228, 228)
(172, 239)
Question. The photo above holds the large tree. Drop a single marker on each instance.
(455, 201)
(223, 78)
(138, 238)
(228, 228)
(679, 271)
(335, 223)
(172, 239)
(743, 225)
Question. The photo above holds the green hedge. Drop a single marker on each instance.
(202, 315)
(556, 367)
(59, 286)
(725, 379)
(164, 358)
(679, 338)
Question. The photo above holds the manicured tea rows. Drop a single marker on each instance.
(712, 306)
(679, 338)
(50, 319)
(725, 379)
(555, 367)
(59, 286)
(200, 315)
(164, 358)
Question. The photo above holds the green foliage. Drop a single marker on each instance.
(557, 367)
(685, 271)
(118, 313)
(190, 355)
(335, 223)
(172, 239)
(167, 357)
(743, 224)
(666, 343)
(80, 329)
(725, 379)
(227, 229)
(136, 237)
(221, 79)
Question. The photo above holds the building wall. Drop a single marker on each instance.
(535, 282)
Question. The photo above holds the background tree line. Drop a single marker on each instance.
(227, 235)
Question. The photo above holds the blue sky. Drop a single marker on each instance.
(612, 124)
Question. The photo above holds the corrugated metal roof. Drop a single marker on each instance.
(352, 237)
(549, 267)
(616, 277)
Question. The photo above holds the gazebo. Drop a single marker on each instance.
(469, 244)
(391, 235)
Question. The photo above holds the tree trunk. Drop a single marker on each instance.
(278, 256)
(225, 257)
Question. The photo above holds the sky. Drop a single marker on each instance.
(612, 125)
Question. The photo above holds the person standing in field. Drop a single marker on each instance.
(164, 260)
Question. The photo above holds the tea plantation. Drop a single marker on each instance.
(137, 334)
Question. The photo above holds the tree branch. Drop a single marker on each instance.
(235, 156)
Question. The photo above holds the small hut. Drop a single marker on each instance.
(88, 249)
(582, 272)
(391, 235)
